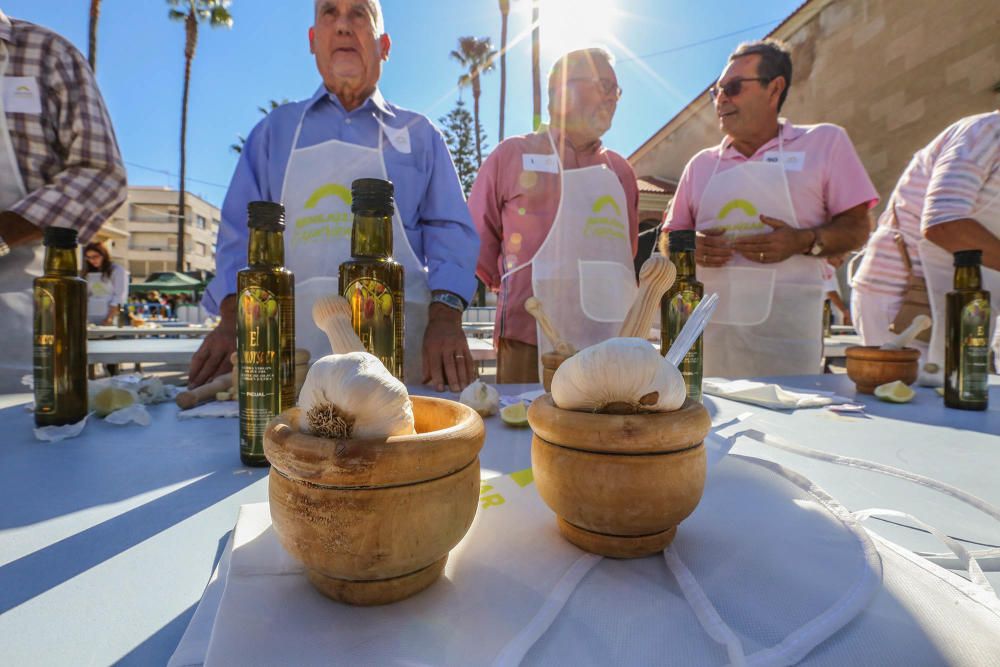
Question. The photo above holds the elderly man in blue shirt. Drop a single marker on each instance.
(305, 152)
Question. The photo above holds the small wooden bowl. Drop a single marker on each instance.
(373, 520)
(619, 484)
(550, 362)
(869, 366)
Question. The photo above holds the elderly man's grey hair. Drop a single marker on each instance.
(374, 6)
(557, 73)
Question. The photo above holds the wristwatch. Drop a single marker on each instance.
(4, 248)
(453, 301)
(817, 245)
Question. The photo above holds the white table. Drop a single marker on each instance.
(142, 350)
(107, 540)
(835, 347)
(99, 332)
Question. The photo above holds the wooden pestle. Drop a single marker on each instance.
(534, 306)
(205, 393)
(656, 276)
(919, 323)
(332, 314)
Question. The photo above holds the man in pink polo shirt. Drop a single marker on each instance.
(557, 215)
(770, 204)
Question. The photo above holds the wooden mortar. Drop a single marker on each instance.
(373, 520)
(550, 362)
(619, 484)
(870, 366)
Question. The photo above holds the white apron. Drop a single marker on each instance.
(317, 199)
(583, 272)
(98, 297)
(769, 317)
(18, 269)
(939, 272)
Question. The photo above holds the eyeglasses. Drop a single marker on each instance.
(734, 87)
(93, 256)
(607, 86)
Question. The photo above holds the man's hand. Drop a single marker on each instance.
(212, 358)
(446, 352)
(712, 249)
(784, 242)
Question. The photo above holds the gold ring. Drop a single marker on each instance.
(762, 257)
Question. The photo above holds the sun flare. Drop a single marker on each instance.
(573, 24)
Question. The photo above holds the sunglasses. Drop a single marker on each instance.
(607, 86)
(734, 87)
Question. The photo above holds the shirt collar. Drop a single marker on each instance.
(375, 100)
(787, 131)
(556, 134)
(6, 29)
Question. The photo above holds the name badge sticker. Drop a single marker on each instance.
(539, 162)
(20, 95)
(794, 160)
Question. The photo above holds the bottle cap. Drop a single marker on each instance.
(968, 258)
(266, 215)
(59, 237)
(681, 240)
(372, 194)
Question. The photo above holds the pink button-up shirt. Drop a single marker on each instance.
(826, 179)
(513, 210)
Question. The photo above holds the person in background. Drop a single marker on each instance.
(107, 285)
(770, 204)
(557, 215)
(947, 199)
(305, 155)
(59, 167)
(831, 287)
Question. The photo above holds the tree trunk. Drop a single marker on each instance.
(536, 76)
(503, 71)
(475, 117)
(190, 43)
(95, 13)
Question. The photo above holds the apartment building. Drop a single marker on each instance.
(149, 219)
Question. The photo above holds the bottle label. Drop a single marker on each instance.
(373, 314)
(259, 356)
(44, 351)
(973, 365)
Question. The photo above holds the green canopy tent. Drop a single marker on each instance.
(168, 282)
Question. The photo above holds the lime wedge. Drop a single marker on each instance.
(110, 399)
(894, 392)
(515, 414)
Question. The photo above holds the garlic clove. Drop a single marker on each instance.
(481, 397)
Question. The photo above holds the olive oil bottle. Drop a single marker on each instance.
(265, 330)
(60, 333)
(372, 281)
(677, 305)
(967, 337)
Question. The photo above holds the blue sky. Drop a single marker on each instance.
(664, 61)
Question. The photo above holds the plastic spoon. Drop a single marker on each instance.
(692, 329)
(919, 323)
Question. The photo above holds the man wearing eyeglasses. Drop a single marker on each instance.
(770, 204)
(557, 215)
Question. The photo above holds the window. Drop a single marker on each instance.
(200, 222)
(202, 250)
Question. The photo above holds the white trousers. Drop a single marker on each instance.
(17, 271)
(873, 313)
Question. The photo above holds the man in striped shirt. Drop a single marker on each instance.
(59, 167)
(949, 195)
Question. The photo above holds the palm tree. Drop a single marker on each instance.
(504, 12)
(241, 140)
(477, 55)
(536, 76)
(216, 13)
(95, 13)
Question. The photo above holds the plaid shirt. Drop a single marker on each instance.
(67, 155)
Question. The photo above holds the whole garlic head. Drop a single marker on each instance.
(354, 396)
(620, 375)
(481, 397)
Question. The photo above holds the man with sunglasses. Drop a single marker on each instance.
(557, 215)
(770, 204)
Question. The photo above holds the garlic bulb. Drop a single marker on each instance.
(481, 397)
(354, 396)
(620, 375)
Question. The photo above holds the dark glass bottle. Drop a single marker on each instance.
(60, 333)
(265, 330)
(372, 281)
(967, 336)
(677, 305)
